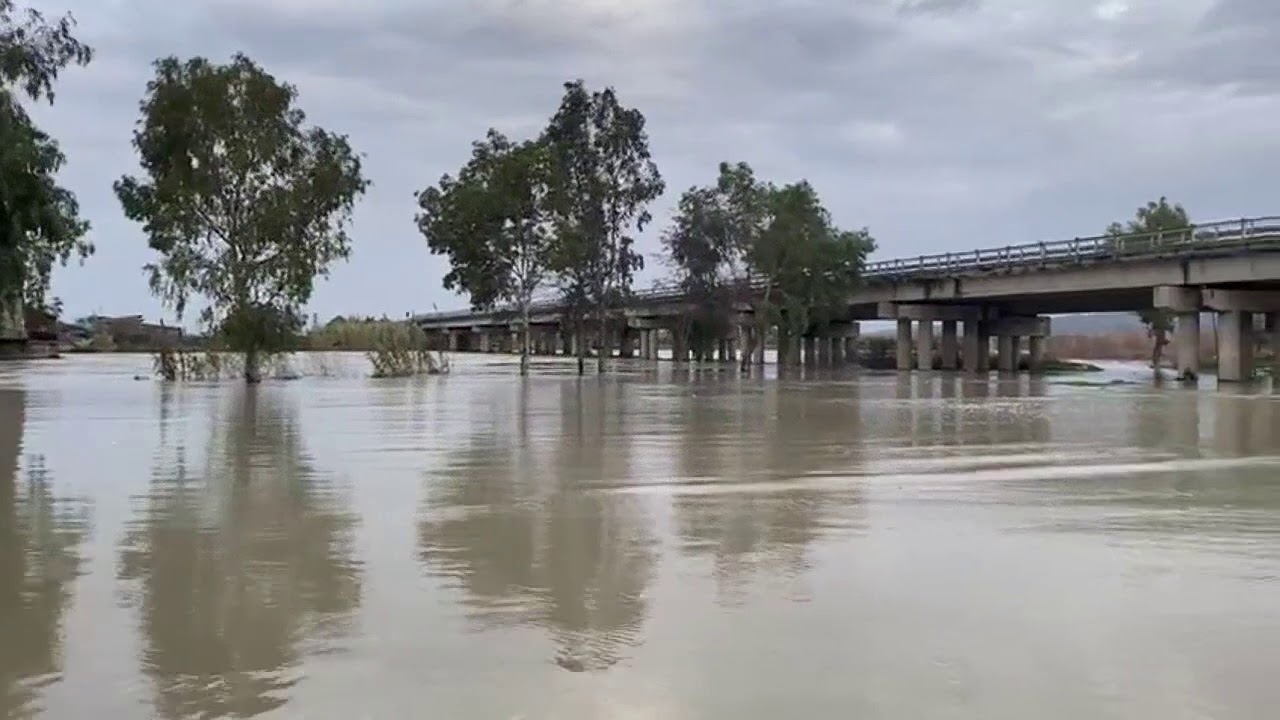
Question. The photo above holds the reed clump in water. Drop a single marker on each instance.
(402, 350)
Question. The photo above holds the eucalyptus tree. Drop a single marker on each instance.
(807, 265)
(744, 241)
(245, 203)
(40, 222)
(1159, 216)
(492, 223)
(708, 243)
(602, 181)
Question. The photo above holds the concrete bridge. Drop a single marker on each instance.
(1231, 268)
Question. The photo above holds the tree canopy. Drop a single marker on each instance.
(493, 223)
(603, 178)
(744, 240)
(245, 203)
(1154, 217)
(40, 222)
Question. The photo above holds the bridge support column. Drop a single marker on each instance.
(1009, 347)
(455, 340)
(1186, 345)
(646, 339)
(851, 348)
(1235, 346)
(924, 345)
(484, 341)
(1035, 354)
(977, 347)
(824, 350)
(679, 348)
(722, 350)
(835, 350)
(1185, 302)
(948, 348)
(626, 343)
(810, 348)
(655, 342)
(904, 345)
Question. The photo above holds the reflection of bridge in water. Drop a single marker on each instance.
(1230, 268)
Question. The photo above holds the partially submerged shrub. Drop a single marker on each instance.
(176, 365)
(401, 350)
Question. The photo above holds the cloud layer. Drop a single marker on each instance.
(940, 124)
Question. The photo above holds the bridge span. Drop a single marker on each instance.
(1231, 268)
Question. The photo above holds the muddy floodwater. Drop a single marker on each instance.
(656, 543)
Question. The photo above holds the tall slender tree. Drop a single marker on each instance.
(492, 222)
(245, 203)
(603, 179)
(40, 222)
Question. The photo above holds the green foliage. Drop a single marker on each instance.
(245, 203)
(741, 231)
(602, 181)
(401, 350)
(492, 222)
(40, 221)
(1157, 217)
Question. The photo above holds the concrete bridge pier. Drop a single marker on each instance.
(626, 343)
(924, 345)
(948, 349)
(1008, 350)
(1235, 309)
(810, 350)
(904, 345)
(1235, 346)
(679, 347)
(925, 316)
(835, 350)
(1010, 331)
(977, 346)
(1185, 303)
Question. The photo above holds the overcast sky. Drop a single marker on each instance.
(938, 124)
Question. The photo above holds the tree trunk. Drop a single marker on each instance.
(580, 346)
(1157, 348)
(601, 332)
(252, 366)
(524, 341)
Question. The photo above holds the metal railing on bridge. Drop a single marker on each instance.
(1244, 233)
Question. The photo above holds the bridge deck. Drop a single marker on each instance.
(924, 278)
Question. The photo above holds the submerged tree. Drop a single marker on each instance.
(744, 240)
(245, 203)
(40, 221)
(492, 222)
(602, 181)
(709, 242)
(1152, 219)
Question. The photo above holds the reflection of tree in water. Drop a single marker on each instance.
(235, 570)
(516, 527)
(40, 535)
(778, 438)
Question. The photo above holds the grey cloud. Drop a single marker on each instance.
(939, 123)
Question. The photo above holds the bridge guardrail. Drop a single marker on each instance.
(1197, 238)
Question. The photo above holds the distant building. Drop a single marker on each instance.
(130, 331)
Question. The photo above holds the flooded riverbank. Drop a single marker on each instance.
(654, 543)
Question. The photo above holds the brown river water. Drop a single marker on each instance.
(657, 543)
